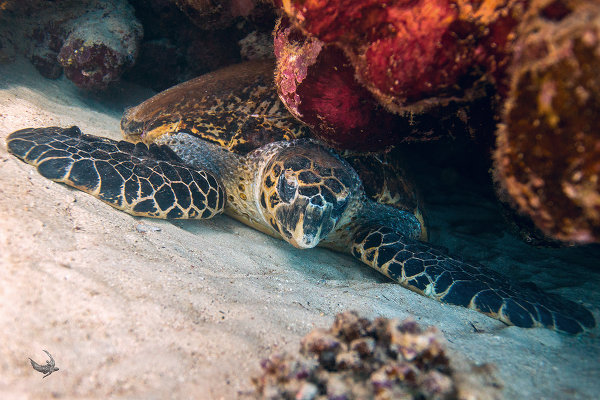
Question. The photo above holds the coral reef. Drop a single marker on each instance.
(256, 46)
(368, 75)
(93, 41)
(47, 41)
(97, 42)
(155, 59)
(100, 46)
(210, 52)
(318, 85)
(412, 54)
(176, 48)
(7, 33)
(383, 359)
(548, 147)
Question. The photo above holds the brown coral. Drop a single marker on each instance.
(383, 359)
(548, 156)
(318, 86)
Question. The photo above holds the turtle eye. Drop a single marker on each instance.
(287, 186)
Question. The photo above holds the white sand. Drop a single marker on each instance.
(139, 308)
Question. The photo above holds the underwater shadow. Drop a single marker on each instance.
(319, 264)
(22, 80)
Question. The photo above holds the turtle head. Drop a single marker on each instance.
(304, 192)
(152, 119)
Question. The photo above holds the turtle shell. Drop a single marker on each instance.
(235, 107)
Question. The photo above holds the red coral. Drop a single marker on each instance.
(405, 51)
(345, 65)
(317, 85)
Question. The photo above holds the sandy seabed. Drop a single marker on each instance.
(138, 308)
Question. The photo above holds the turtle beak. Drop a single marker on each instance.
(131, 128)
(315, 224)
(305, 223)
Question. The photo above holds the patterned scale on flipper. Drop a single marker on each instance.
(430, 271)
(140, 180)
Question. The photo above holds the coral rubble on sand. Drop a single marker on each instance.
(383, 359)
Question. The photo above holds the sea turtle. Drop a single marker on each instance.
(223, 142)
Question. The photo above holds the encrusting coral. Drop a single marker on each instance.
(93, 41)
(408, 51)
(420, 60)
(548, 147)
(317, 83)
(382, 359)
(101, 44)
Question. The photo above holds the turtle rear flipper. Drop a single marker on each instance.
(426, 270)
(140, 180)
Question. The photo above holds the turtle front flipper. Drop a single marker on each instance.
(140, 180)
(426, 270)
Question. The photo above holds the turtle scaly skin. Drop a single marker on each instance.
(140, 180)
(431, 272)
(297, 190)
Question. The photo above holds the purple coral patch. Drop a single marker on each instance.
(90, 67)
